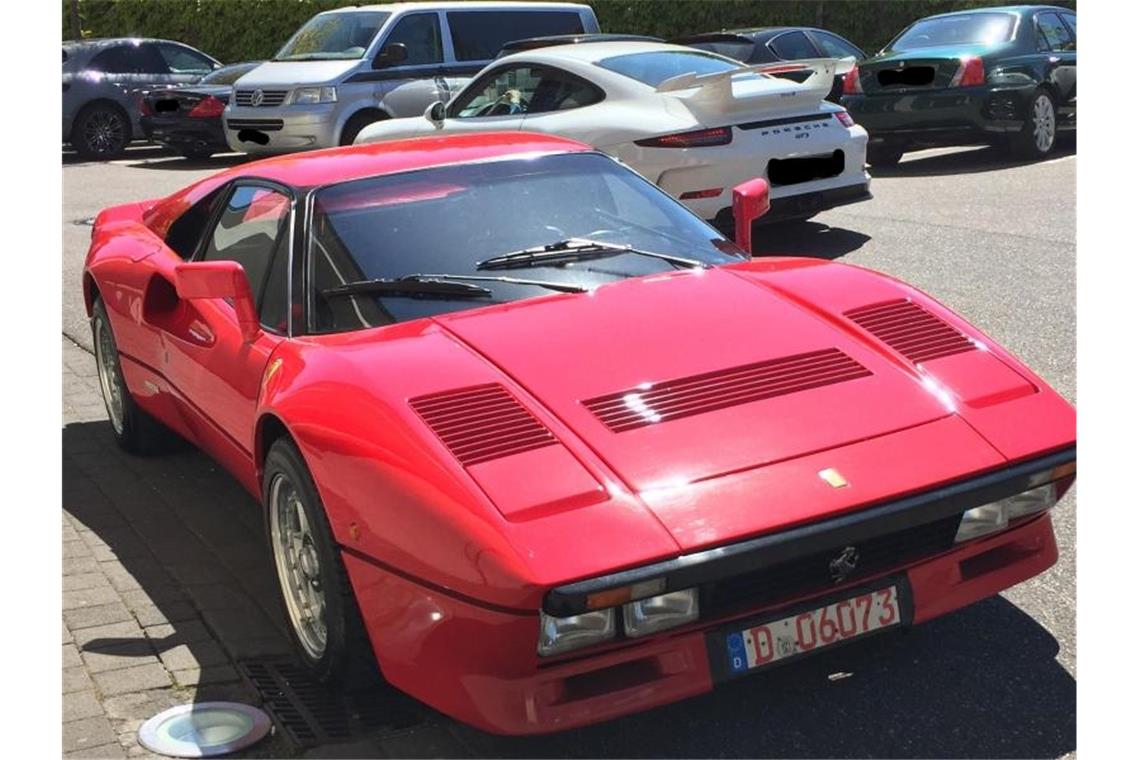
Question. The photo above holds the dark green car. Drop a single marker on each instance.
(1003, 76)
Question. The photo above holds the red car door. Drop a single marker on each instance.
(215, 370)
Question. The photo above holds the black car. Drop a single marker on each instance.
(517, 46)
(1004, 76)
(774, 44)
(189, 119)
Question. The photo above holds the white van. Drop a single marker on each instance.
(347, 68)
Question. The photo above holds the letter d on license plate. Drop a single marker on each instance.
(749, 646)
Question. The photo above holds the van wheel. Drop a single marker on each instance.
(883, 156)
(358, 122)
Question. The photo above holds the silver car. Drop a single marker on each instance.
(101, 82)
(350, 67)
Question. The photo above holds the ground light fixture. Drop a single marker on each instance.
(205, 729)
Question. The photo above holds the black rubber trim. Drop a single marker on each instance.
(386, 75)
(722, 562)
(786, 120)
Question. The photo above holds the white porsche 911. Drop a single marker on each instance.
(693, 122)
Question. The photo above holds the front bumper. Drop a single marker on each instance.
(958, 116)
(283, 129)
(437, 647)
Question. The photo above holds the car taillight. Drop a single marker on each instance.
(971, 73)
(701, 138)
(845, 118)
(144, 107)
(208, 108)
(851, 83)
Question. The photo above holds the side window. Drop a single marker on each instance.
(182, 60)
(501, 93)
(113, 61)
(149, 60)
(186, 231)
(837, 47)
(793, 46)
(419, 32)
(478, 35)
(559, 91)
(1052, 34)
(248, 231)
(1071, 20)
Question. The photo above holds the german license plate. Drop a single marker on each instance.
(770, 641)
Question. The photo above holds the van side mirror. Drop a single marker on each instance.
(391, 55)
(220, 279)
(436, 113)
(749, 202)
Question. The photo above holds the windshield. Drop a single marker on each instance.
(654, 68)
(333, 36)
(967, 29)
(444, 221)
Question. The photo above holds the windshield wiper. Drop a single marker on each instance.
(436, 286)
(561, 287)
(575, 249)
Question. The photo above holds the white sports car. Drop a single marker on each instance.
(694, 122)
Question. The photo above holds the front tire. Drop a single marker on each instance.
(879, 156)
(1038, 133)
(355, 124)
(134, 430)
(101, 132)
(320, 609)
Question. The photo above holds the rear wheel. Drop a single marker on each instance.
(880, 155)
(101, 132)
(134, 430)
(1038, 133)
(319, 605)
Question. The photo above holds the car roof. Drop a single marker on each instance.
(532, 43)
(334, 165)
(592, 52)
(112, 41)
(1019, 9)
(455, 5)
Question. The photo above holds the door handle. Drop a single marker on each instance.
(1054, 59)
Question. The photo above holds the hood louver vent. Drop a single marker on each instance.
(482, 422)
(708, 392)
(911, 330)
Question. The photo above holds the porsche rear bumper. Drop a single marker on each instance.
(479, 665)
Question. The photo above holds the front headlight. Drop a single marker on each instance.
(309, 95)
(660, 612)
(990, 518)
(557, 635)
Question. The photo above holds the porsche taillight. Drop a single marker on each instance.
(701, 138)
(208, 108)
(971, 72)
(851, 83)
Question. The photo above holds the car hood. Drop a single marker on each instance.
(290, 73)
(691, 375)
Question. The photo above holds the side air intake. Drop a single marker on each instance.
(481, 423)
(911, 330)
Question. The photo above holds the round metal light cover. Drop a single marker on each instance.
(204, 729)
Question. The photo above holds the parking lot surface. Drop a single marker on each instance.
(168, 586)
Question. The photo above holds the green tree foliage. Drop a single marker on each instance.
(240, 30)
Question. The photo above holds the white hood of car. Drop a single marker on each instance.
(281, 74)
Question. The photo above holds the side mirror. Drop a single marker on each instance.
(391, 55)
(436, 113)
(220, 279)
(749, 202)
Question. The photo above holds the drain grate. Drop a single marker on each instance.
(312, 714)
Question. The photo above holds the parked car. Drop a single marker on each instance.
(696, 123)
(779, 43)
(518, 46)
(1001, 76)
(349, 67)
(101, 79)
(549, 449)
(188, 119)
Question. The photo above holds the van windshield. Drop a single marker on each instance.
(333, 37)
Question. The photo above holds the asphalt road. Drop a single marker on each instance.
(992, 239)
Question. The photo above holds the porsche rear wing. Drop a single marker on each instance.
(726, 91)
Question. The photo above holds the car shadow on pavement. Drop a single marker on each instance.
(968, 161)
(805, 238)
(155, 156)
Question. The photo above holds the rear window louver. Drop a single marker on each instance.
(481, 422)
(698, 394)
(911, 330)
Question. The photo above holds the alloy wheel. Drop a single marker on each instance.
(298, 565)
(1044, 123)
(104, 132)
(110, 375)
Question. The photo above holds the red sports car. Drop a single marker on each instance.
(547, 448)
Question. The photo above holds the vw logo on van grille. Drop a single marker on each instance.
(256, 98)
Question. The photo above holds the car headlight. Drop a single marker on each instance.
(657, 613)
(314, 95)
(990, 518)
(557, 635)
